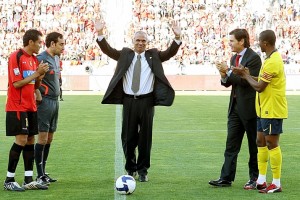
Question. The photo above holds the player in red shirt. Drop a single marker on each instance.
(24, 76)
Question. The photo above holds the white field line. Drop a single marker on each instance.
(119, 165)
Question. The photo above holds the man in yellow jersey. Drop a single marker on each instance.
(271, 109)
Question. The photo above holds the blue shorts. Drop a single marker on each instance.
(269, 126)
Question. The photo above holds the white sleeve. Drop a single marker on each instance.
(100, 37)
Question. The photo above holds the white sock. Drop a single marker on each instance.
(276, 182)
(261, 179)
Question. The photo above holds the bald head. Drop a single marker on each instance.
(268, 36)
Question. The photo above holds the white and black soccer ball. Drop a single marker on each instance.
(125, 184)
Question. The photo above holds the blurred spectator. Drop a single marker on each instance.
(205, 26)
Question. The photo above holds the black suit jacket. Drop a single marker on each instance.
(245, 94)
(163, 92)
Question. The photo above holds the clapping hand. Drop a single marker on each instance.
(241, 71)
(42, 68)
(222, 67)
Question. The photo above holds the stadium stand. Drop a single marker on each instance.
(205, 24)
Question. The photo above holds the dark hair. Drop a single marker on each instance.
(240, 34)
(31, 34)
(53, 36)
(268, 36)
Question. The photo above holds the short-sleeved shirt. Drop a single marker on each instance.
(272, 103)
(21, 99)
(50, 86)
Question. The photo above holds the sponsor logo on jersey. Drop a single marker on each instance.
(16, 71)
(27, 73)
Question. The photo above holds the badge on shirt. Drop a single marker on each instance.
(16, 71)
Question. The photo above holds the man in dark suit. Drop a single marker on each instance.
(139, 84)
(241, 112)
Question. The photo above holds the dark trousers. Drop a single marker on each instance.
(137, 133)
(236, 129)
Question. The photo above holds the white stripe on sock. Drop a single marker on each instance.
(28, 173)
(9, 174)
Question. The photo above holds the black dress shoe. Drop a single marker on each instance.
(133, 174)
(220, 183)
(143, 178)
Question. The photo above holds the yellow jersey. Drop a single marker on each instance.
(272, 103)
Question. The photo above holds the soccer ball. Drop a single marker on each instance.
(125, 184)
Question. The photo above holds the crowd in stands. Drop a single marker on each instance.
(74, 18)
(205, 26)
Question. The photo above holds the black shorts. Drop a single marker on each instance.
(18, 123)
(269, 126)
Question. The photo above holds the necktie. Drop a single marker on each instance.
(237, 59)
(136, 75)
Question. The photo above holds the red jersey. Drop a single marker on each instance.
(21, 99)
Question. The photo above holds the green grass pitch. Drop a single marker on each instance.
(187, 152)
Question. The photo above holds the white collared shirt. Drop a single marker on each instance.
(147, 77)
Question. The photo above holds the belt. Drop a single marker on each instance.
(139, 96)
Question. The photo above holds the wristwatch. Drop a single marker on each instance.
(177, 37)
(229, 71)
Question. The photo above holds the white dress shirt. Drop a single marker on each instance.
(147, 77)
